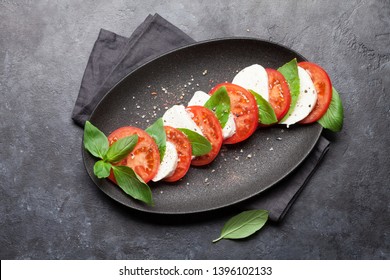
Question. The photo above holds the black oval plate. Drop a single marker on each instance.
(240, 171)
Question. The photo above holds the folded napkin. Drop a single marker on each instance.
(114, 56)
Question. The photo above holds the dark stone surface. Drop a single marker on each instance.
(50, 209)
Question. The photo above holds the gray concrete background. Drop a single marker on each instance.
(50, 209)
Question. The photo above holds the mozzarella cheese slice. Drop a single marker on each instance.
(168, 164)
(178, 117)
(253, 77)
(199, 99)
(230, 127)
(306, 100)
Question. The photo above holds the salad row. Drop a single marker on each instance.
(296, 93)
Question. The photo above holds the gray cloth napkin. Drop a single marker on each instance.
(114, 56)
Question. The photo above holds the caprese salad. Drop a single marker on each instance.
(192, 134)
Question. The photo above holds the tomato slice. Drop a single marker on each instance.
(144, 159)
(279, 93)
(184, 151)
(244, 108)
(323, 87)
(211, 129)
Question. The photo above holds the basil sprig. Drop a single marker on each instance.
(290, 73)
(219, 103)
(97, 144)
(157, 132)
(266, 112)
(243, 224)
(334, 116)
(200, 145)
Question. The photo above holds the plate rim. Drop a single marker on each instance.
(151, 210)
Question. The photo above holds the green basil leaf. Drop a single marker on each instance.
(95, 141)
(266, 112)
(102, 169)
(243, 224)
(121, 148)
(157, 132)
(334, 116)
(290, 73)
(200, 145)
(132, 184)
(219, 103)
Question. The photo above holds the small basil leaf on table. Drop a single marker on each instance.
(266, 112)
(200, 145)
(290, 73)
(157, 132)
(334, 117)
(95, 141)
(102, 169)
(132, 184)
(219, 103)
(243, 224)
(121, 148)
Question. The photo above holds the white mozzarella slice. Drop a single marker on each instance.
(253, 77)
(168, 164)
(306, 100)
(178, 117)
(199, 99)
(230, 127)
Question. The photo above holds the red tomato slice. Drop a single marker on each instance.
(184, 151)
(279, 93)
(244, 108)
(211, 129)
(144, 159)
(323, 87)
